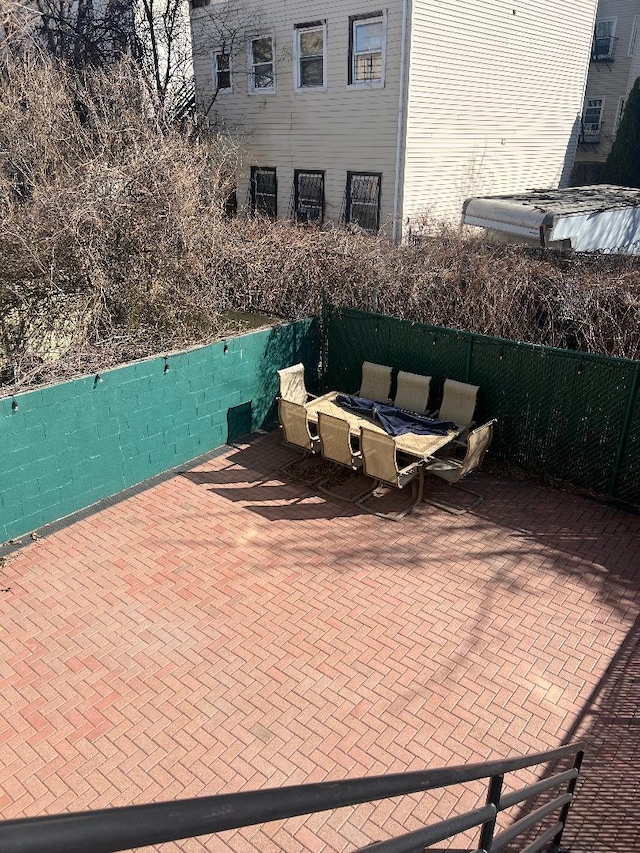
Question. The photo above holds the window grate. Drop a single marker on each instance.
(264, 191)
(363, 200)
(309, 197)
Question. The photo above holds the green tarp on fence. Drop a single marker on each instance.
(569, 415)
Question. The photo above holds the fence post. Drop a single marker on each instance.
(469, 354)
(493, 799)
(555, 844)
(624, 432)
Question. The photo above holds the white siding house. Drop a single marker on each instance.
(615, 65)
(357, 110)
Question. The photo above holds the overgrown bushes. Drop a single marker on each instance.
(114, 245)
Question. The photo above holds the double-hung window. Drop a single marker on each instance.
(592, 120)
(604, 42)
(264, 191)
(310, 47)
(309, 196)
(262, 78)
(367, 49)
(363, 199)
(222, 71)
(620, 113)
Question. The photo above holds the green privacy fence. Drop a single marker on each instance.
(569, 415)
(69, 445)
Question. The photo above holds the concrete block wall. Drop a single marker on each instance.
(67, 446)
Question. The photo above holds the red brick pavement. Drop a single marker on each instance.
(229, 629)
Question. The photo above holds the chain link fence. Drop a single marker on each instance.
(569, 415)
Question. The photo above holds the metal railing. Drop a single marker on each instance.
(110, 830)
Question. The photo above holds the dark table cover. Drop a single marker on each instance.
(392, 420)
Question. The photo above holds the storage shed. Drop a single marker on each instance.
(596, 218)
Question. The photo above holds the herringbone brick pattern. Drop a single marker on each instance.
(230, 629)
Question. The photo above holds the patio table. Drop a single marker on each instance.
(411, 444)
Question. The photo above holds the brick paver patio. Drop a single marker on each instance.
(230, 629)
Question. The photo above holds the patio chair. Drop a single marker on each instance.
(336, 446)
(295, 428)
(376, 382)
(458, 402)
(413, 392)
(453, 470)
(379, 460)
(292, 385)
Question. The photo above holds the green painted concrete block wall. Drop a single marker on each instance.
(67, 446)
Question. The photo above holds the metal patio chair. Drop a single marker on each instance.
(296, 433)
(452, 470)
(379, 460)
(376, 382)
(412, 392)
(458, 402)
(336, 445)
(292, 386)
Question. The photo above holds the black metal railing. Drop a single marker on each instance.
(110, 830)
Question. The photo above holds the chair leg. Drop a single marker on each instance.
(417, 489)
(455, 510)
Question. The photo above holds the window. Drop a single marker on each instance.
(363, 200)
(261, 65)
(619, 114)
(264, 191)
(603, 40)
(309, 196)
(310, 60)
(634, 36)
(592, 119)
(222, 71)
(367, 50)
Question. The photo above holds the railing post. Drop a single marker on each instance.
(555, 844)
(493, 799)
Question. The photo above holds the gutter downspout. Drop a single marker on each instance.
(402, 116)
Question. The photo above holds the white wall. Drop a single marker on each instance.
(336, 130)
(495, 96)
(612, 80)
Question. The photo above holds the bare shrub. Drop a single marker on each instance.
(114, 245)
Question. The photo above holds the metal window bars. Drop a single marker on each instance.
(363, 200)
(308, 197)
(264, 191)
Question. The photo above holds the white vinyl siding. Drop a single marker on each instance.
(485, 113)
(613, 81)
(337, 130)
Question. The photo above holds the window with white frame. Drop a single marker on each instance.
(310, 57)
(309, 196)
(264, 191)
(634, 36)
(262, 78)
(222, 71)
(604, 40)
(620, 113)
(363, 199)
(367, 38)
(592, 119)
